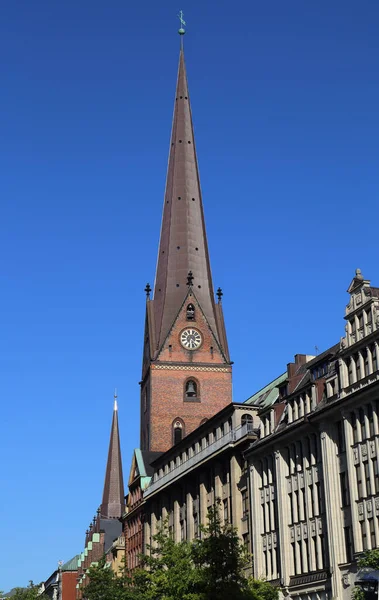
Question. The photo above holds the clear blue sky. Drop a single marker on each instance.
(285, 98)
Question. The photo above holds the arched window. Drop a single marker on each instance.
(248, 421)
(190, 312)
(191, 389)
(177, 431)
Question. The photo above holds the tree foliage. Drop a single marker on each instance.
(209, 568)
(32, 592)
(369, 559)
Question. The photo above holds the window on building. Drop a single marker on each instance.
(190, 312)
(246, 542)
(226, 511)
(178, 432)
(376, 474)
(344, 484)
(196, 526)
(247, 420)
(350, 370)
(353, 419)
(372, 533)
(191, 389)
(358, 366)
(369, 317)
(348, 544)
(370, 416)
(359, 480)
(340, 437)
(245, 503)
(364, 535)
(352, 328)
(365, 362)
(374, 357)
(368, 480)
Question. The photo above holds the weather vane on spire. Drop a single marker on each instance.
(182, 23)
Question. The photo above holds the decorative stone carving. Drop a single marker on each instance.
(360, 511)
(364, 451)
(377, 506)
(358, 299)
(369, 507)
(355, 455)
(346, 579)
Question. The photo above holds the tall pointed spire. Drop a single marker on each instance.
(112, 506)
(183, 243)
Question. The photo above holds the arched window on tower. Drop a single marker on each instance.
(191, 390)
(177, 431)
(248, 421)
(190, 312)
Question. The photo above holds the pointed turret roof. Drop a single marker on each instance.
(183, 243)
(112, 505)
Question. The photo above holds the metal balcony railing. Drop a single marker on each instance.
(228, 438)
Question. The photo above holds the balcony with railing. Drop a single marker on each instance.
(228, 439)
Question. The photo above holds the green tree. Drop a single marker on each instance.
(105, 584)
(369, 559)
(220, 559)
(209, 568)
(32, 592)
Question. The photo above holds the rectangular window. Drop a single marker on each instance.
(370, 416)
(340, 437)
(345, 497)
(226, 512)
(358, 367)
(364, 535)
(350, 370)
(374, 358)
(368, 480)
(365, 361)
(246, 542)
(353, 419)
(196, 525)
(348, 544)
(245, 503)
(359, 480)
(372, 533)
(376, 474)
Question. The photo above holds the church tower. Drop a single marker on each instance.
(186, 372)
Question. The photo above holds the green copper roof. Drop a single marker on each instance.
(71, 565)
(267, 395)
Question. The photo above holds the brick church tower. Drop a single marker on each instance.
(186, 372)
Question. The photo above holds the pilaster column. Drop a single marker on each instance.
(190, 523)
(344, 377)
(361, 364)
(256, 509)
(352, 482)
(283, 518)
(369, 360)
(235, 494)
(177, 531)
(333, 501)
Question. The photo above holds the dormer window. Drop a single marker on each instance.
(248, 421)
(190, 312)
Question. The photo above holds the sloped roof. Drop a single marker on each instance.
(267, 395)
(71, 565)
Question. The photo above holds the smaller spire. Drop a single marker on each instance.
(115, 407)
(148, 290)
(219, 294)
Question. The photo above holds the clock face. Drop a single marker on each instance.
(190, 339)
